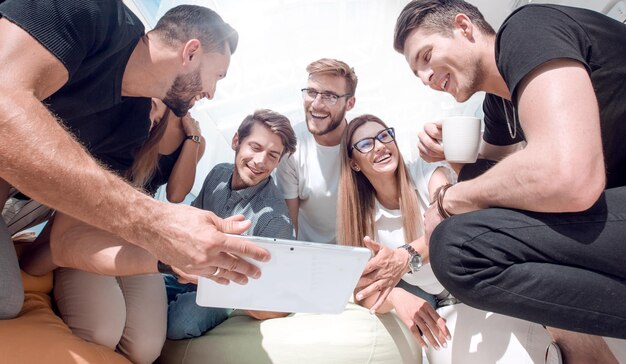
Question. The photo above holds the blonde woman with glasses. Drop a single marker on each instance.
(381, 198)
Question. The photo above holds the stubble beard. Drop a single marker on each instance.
(332, 126)
(178, 97)
(476, 77)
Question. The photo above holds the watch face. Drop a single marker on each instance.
(415, 263)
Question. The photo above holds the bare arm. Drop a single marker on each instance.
(74, 244)
(293, 205)
(42, 160)
(559, 113)
(77, 245)
(183, 174)
(497, 152)
(415, 313)
(384, 271)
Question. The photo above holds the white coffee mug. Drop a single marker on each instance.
(461, 138)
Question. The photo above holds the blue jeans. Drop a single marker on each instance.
(185, 319)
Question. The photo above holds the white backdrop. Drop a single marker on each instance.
(279, 38)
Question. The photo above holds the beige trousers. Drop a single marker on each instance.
(127, 314)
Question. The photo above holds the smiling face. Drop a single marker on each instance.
(322, 118)
(381, 160)
(445, 63)
(198, 83)
(256, 156)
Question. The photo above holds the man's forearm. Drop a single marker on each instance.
(42, 160)
(77, 245)
(522, 180)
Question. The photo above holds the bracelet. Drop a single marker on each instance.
(440, 194)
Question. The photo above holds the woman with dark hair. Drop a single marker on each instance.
(170, 155)
(102, 303)
(129, 312)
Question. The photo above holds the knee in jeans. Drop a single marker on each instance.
(179, 327)
(11, 305)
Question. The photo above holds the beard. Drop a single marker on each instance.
(476, 76)
(182, 92)
(335, 122)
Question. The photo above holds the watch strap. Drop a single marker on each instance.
(415, 258)
(195, 138)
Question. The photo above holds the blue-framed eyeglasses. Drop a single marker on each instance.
(328, 98)
(366, 145)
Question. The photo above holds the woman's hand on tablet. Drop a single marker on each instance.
(382, 273)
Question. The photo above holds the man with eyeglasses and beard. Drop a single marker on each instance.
(309, 177)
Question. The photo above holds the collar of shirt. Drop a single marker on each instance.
(381, 211)
(248, 192)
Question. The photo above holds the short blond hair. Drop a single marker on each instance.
(337, 68)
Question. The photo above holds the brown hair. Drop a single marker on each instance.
(435, 16)
(337, 68)
(275, 122)
(185, 22)
(355, 202)
(146, 160)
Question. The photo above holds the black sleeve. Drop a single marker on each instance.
(69, 29)
(496, 129)
(534, 35)
(129, 129)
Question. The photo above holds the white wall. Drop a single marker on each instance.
(278, 38)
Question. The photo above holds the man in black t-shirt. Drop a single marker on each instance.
(540, 235)
(66, 60)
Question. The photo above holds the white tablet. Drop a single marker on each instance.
(300, 277)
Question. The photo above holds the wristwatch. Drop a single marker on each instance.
(195, 138)
(415, 259)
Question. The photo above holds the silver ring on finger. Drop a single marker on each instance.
(217, 271)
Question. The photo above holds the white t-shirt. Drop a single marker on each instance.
(390, 232)
(311, 174)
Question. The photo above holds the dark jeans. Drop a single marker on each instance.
(565, 270)
(185, 319)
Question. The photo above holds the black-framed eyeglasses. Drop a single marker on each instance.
(366, 145)
(328, 98)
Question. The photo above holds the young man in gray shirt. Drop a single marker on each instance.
(244, 188)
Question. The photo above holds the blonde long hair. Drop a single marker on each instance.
(356, 199)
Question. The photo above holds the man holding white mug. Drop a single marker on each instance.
(540, 235)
